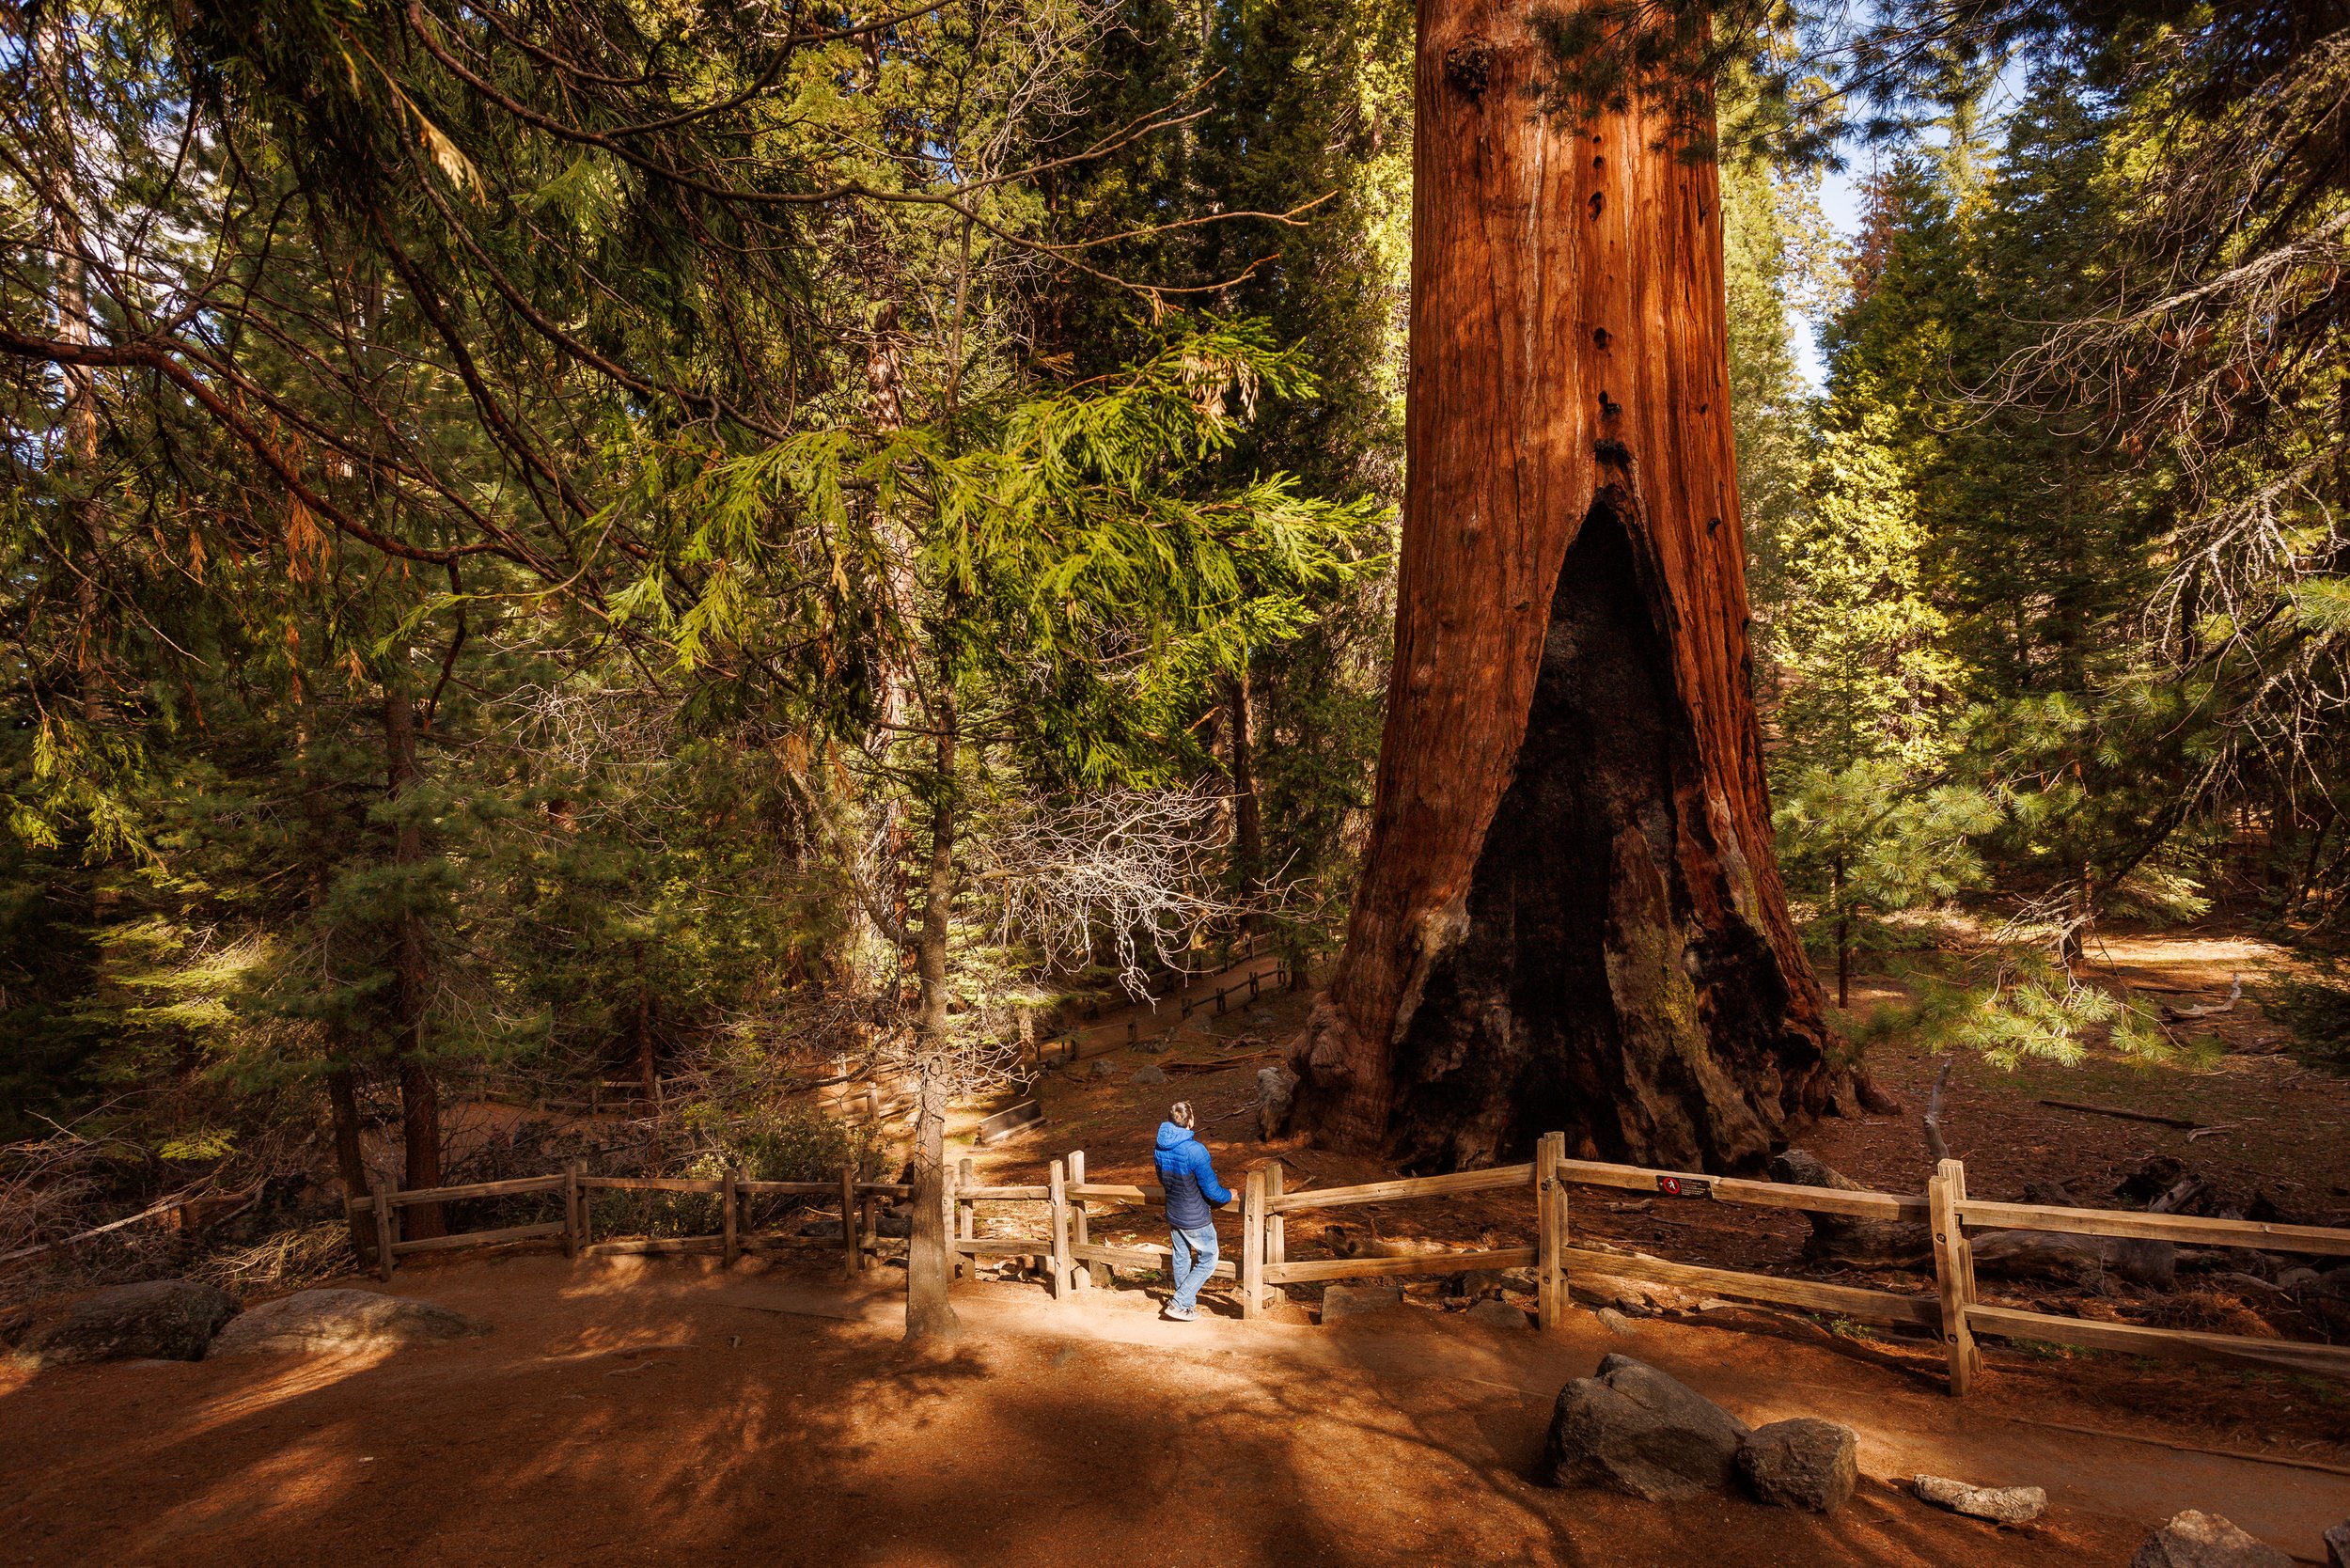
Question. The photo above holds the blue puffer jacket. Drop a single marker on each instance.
(1189, 1178)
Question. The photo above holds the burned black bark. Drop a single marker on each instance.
(1584, 996)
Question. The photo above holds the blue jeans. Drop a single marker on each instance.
(1194, 1260)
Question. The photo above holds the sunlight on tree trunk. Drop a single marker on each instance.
(929, 1269)
(1570, 915)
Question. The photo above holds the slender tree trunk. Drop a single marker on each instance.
(419, 1097)
(1843, 936)
(640, 1026)
(350, 1163)
(930, 1315)
(1570, 914)
(1248, 818)
(342, 1083)
(72, 325)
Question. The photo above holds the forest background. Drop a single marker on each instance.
(710, 549)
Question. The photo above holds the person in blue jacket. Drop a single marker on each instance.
(1192, 1194)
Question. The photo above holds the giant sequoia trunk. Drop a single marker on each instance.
(1570, 915)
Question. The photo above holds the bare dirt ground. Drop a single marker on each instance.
(635, 1410)
(639, 1411)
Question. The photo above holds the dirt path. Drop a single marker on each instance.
(638, 1411)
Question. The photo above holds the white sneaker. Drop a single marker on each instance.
(1180, 1314)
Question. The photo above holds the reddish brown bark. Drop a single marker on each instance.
(1570, 915)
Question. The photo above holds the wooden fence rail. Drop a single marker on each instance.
(858, 1201)
(1077, 1261)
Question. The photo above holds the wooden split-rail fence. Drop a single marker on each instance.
(860, 1203)
(1074, 1261)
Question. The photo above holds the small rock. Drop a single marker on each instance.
(2001, 1505)
(1147, 1074)
(1355, 1301)
(2198, 1539)
(1496, 1313)
(1476, 1284)
(1615, 1322)
(2338, 1545)
(2296, 1279)
(1105, 1068)
(1632, 1429)
(1152, 1045)
(314, 1321)
(156, 1320)
(1803, 1463)
(1261, 1019)
(819, 1229)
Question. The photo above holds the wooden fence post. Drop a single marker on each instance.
(1083, 1276)
(385, 1228)
(726, 1244)
(1550, 1219)
(853, 1244)
(1276, 1242)
(1062, 1285)
(1953, 1273)
(570, 1208)
(1252, 1246)
(967, 1222)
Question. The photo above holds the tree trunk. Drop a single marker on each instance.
(66, 240)
(1843, 935)
(351, 1164)
(930, 1315)
(419, 1097)
(1570, 915)
(1247, 820)
(640, 1030)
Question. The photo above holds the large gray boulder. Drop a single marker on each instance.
(170, 1320)
(311, 1322)
(1804, 1463)
(2198, 1539)
(1632, 1429)
(2338, 1545)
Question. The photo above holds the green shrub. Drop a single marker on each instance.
(2314, 1003)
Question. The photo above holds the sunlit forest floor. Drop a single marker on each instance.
(634, 1411)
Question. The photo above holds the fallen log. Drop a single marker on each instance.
(2153, 1116)
(2213, 1010)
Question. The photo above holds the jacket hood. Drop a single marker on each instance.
(1170, 1135)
